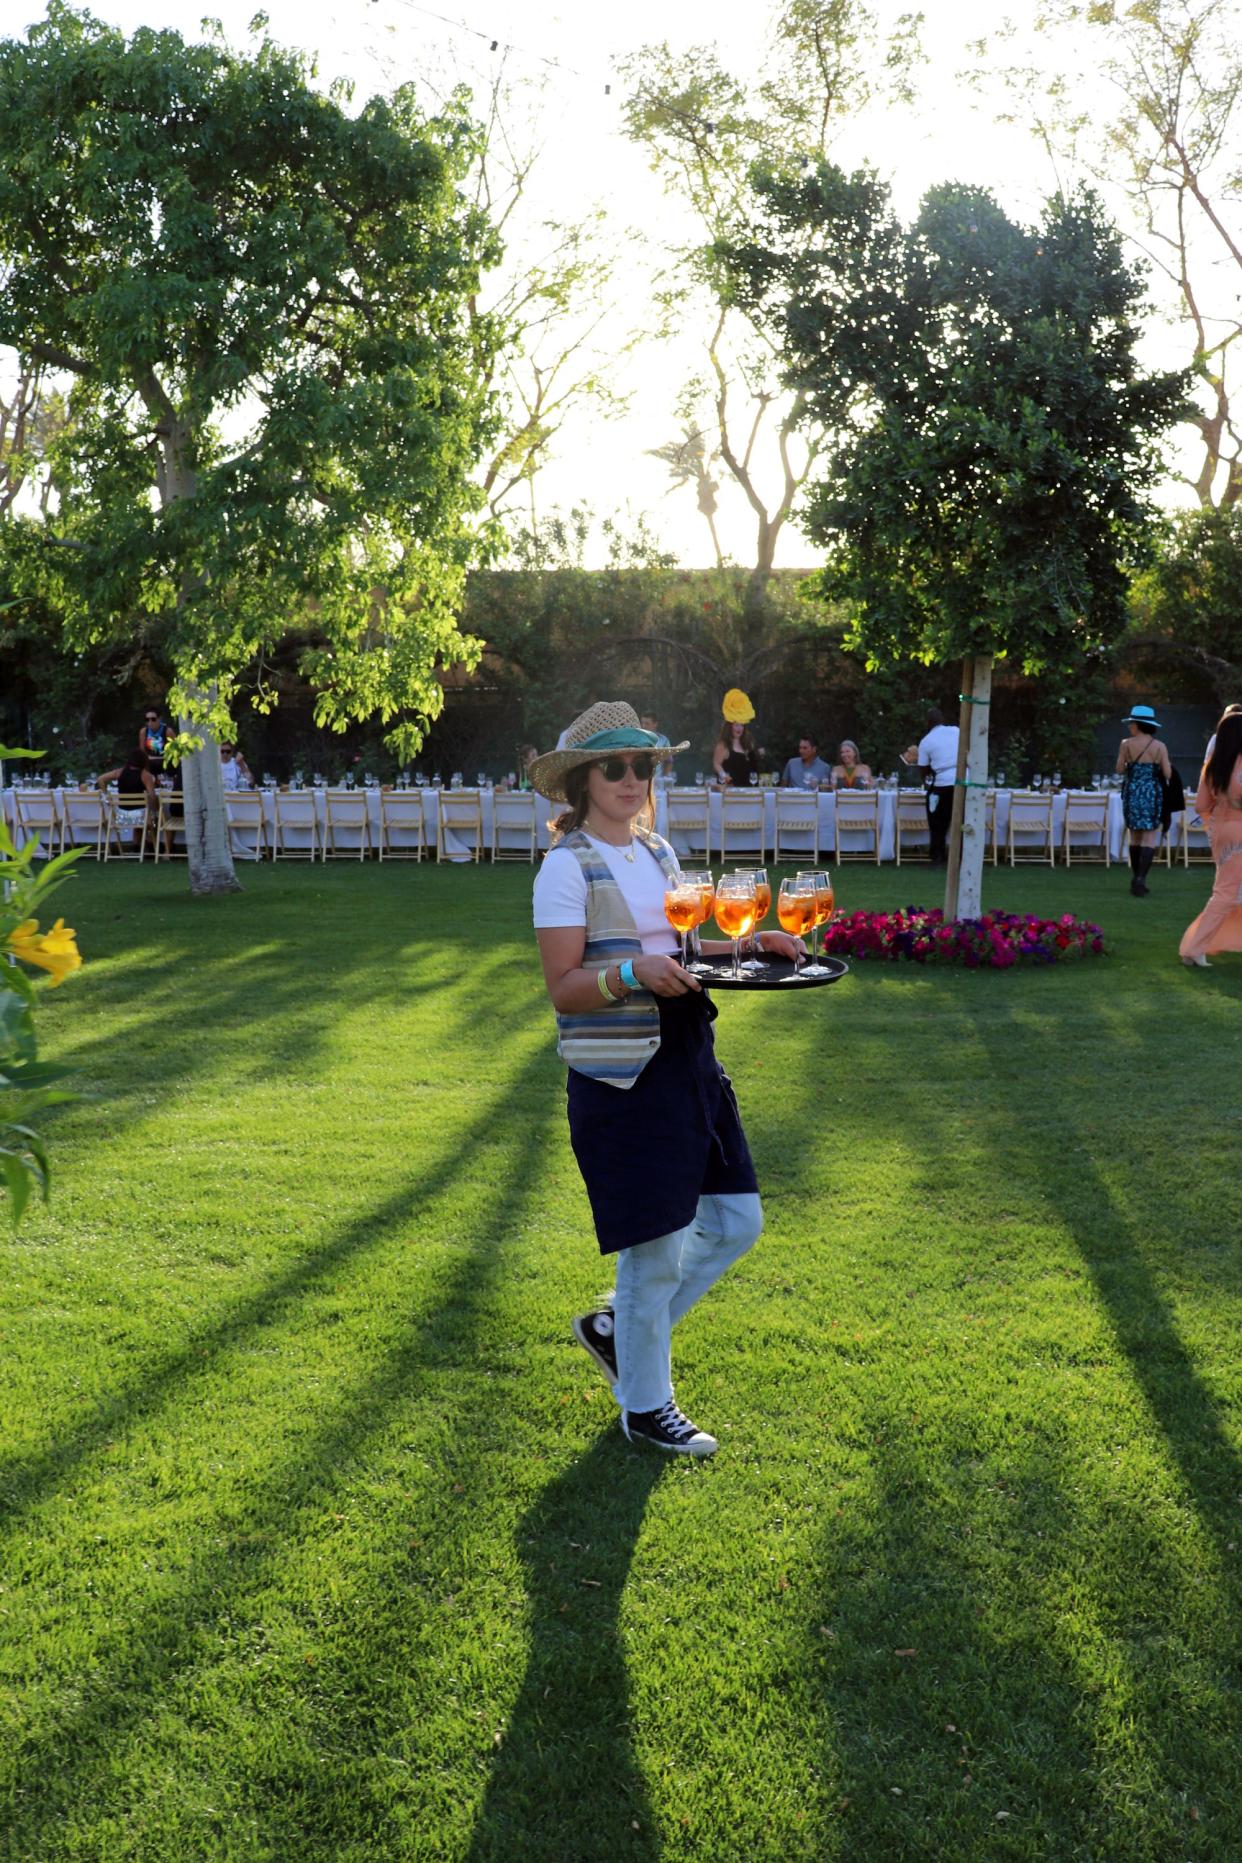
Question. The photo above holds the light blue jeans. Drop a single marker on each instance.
(658, 1281)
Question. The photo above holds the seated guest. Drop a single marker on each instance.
(807, 770)
(849, 773)
(234, 770)
(736, 756)
(135, 792)
(650, 722)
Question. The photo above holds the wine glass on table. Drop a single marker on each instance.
(825, 899)
(795, 910)
(736, 909)
(681, 909)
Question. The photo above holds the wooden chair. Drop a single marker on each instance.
(1030, 814)
(247, 823)
(990, 817)
(513, 814)
(797, 813)
(690, 819)
(741, 823)
(35, 815)
(1193, 841)
(84, 820)
(119, 836)
(1084, 833)
(346, 812)
(170, 822)
(403, 834)
(295, 815)
(459, 812)
(913, 833)
(858, 813)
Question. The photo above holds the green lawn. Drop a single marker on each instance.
(319, 1537)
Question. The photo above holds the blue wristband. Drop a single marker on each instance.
(627, 974)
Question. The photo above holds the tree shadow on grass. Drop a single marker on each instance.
(274, 977)
(25, 1481)
(1000, 1635)
(56, 1771)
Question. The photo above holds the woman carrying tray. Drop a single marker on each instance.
(652, 1118)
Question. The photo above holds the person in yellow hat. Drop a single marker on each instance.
(736, 758)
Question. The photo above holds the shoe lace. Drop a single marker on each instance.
(675, 1421)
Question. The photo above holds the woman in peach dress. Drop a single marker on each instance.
(1219, 802)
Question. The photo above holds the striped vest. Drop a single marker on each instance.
(614, 1042)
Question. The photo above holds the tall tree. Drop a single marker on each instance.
(991, 487)
(704, 130)
(1167, 147)
(277, 392)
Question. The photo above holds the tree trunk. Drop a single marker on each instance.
(974, 817)
(953, 877)
(207, 843)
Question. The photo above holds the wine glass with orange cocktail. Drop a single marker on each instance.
(825, 900)
(736, 910)
(796, 907)
(704, 884)
(681, 909)
(763, 905)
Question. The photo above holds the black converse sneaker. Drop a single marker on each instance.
(594, 1333)
(669, 1429)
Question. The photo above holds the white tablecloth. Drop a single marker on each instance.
(458, 848)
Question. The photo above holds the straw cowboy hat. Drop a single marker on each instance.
(599, 733)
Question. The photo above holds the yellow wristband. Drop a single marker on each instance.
(601, 977)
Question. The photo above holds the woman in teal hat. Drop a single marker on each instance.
(1142, 763)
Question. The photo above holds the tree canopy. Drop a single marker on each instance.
(276, 392)
(990, 486)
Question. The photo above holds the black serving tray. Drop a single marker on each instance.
(777, 975)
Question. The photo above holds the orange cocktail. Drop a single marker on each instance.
(820, 883)
(681, 909)
(796, 912)
(736, 914)
(736, 910)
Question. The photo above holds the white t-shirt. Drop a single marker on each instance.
(938, 750)
(561, 892)
(230, 775)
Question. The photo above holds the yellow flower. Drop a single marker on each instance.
(736, 707)
(54, 951)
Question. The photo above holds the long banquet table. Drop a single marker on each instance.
(458, 848)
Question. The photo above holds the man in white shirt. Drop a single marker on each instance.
(937, 753)
(807, 768)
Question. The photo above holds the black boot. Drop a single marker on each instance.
(1135, 885)
(1146, 856)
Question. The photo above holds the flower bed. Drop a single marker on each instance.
(997, 940)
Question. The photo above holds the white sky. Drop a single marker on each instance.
(586, 160)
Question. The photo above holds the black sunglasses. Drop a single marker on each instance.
(615, 768)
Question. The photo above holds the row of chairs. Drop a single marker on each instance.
(86, 819)
(743, 824)
(95, 822)
(1030, 834)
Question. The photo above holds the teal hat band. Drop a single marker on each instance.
(624, 737)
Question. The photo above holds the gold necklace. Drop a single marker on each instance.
(626, 853)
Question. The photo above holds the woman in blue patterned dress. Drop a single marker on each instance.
(1142, 762)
